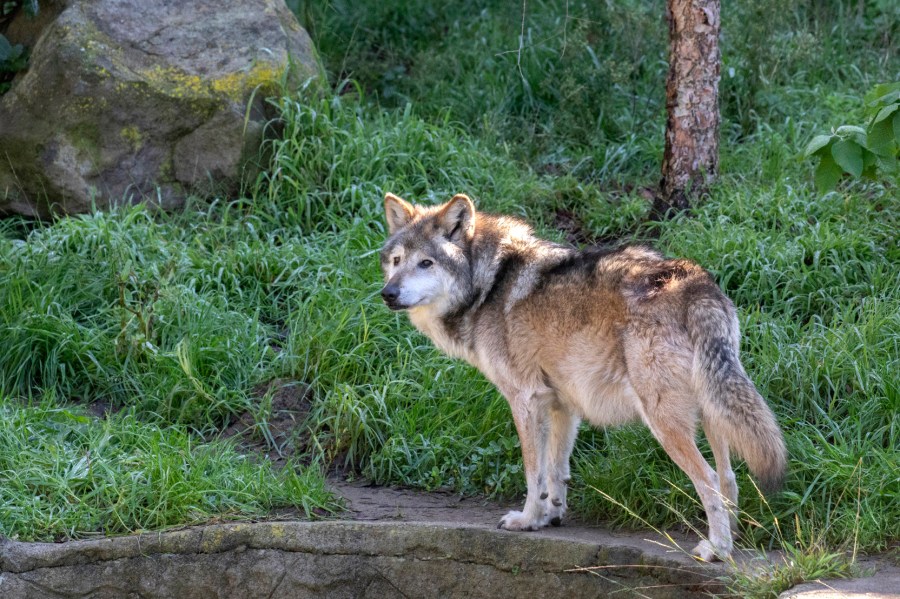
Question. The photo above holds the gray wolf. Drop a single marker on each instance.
(603, 335)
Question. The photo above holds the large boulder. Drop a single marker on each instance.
(130, 100)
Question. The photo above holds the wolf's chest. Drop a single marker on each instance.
(449, 343)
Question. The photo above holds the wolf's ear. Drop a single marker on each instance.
(397, 211)
(457, 218)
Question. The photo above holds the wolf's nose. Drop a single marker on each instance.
(390, 293)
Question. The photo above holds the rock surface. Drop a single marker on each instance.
(341, 559)
(126, 100)
(882, 582)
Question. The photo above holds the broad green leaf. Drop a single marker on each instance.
(881, 138)
(888, 98)
(5, 48)
(818, 142)
(828, 173)
(896, 120)
(857, 134)
(844, 130)
(885, 93)
(889, 164)
(848, 154)
(885, 112)
(868, 158)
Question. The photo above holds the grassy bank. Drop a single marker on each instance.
(67, 474)
(178, 319)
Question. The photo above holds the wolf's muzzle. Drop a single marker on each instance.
(390, 294)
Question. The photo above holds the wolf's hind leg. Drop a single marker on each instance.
(676, 435)
(563, 427)
(659, 368)
(727, 482)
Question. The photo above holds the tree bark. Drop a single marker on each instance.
(691, 159)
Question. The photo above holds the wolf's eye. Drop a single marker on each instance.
(396, 260)
(426, 263)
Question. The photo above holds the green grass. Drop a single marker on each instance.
(67, 475)
(807, 559)
(178, 318)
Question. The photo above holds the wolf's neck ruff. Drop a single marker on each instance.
(603, 335)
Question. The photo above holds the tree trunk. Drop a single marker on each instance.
(691, 159)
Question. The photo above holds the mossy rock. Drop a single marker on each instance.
(127, 100)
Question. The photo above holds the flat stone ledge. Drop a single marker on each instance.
(882, 583)
(825, 590)
(346, 559)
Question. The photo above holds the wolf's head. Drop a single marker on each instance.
(425, 259)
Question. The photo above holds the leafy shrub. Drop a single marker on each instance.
(858, 151)
(13, 58)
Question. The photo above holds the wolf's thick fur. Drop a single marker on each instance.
(607, 336)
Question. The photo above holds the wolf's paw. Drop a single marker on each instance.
(553, 502)
(518, 521)
(707, 552)
(556, 509)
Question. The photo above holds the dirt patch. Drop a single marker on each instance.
(570, 224)
(366, 501)
(275, 428)
(101, 409)
(579, 234)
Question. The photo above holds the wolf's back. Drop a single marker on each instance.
(730, 402)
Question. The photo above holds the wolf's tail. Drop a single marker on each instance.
(730, 403)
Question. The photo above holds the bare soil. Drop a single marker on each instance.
(276, 432)
(369, 502)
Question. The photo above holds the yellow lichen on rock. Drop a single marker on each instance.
(236, 85)
(176, 83)
(133, 136)
(212, 540)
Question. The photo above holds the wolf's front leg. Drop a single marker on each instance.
(529, 415)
